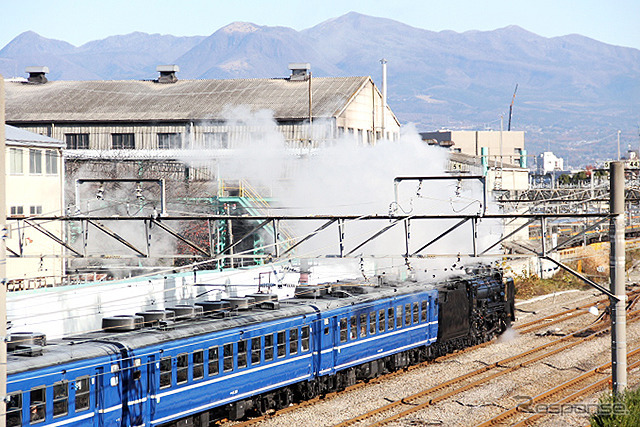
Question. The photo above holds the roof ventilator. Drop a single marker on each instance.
(26, 343)
(37, 74)
(122, 323)
(240, 303)
(216, 309)
(167, 73)
(299, 71)
(312, 291)
(185, 311)
(157, 317)
(265, 301)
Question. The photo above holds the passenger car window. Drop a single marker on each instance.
(407, 314)
(38, 398)
(60, 399)
(214, 361)
(282, 344)
(372, 323)
(242, 354)
(354, 328)
(14, 410)
(363, 325)
(391, 318)
(182, 374)
(255, 350)
(305, 338)
(83, 391)
(416, 312)
(293, 341)
(227, 362)
(198, 364)
(165, 372)
(424, 311)
(343, 329)
(399, 316)
(268, 347)
(381, 320)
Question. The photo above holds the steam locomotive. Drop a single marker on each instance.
(193, 365)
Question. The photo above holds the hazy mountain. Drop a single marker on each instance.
(571, 89)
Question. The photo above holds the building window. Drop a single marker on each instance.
(35, 161)
(82, 394)
(77, 141)
(169, 141)
(17, 211)
(15, 161)
(60, 399)
(35, 210)
(38, 399)
(216, 140)
(51, 162)
(123, 141)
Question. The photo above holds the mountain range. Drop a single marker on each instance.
(573, 93)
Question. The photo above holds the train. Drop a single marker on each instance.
(194, 365)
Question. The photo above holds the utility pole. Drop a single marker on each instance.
(3, 264)
(619, 145)
(617, 275)
(384, 96)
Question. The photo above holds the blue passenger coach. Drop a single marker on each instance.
(225, 362)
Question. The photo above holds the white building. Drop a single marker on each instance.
(548, 162)
(34, 183)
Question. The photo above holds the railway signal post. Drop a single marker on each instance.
(617, 275)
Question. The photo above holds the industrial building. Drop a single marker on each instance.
(502, 147)
(34, 187)
(171, 114)
(179, 130)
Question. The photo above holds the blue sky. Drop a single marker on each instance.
(80, 21)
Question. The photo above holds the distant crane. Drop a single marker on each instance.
(511, 107)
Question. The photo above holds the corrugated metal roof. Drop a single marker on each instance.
(131, 100)
(16, 136)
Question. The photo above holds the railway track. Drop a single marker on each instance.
(397, 410)
(540, 405)
(528, 327)
(568, 314)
